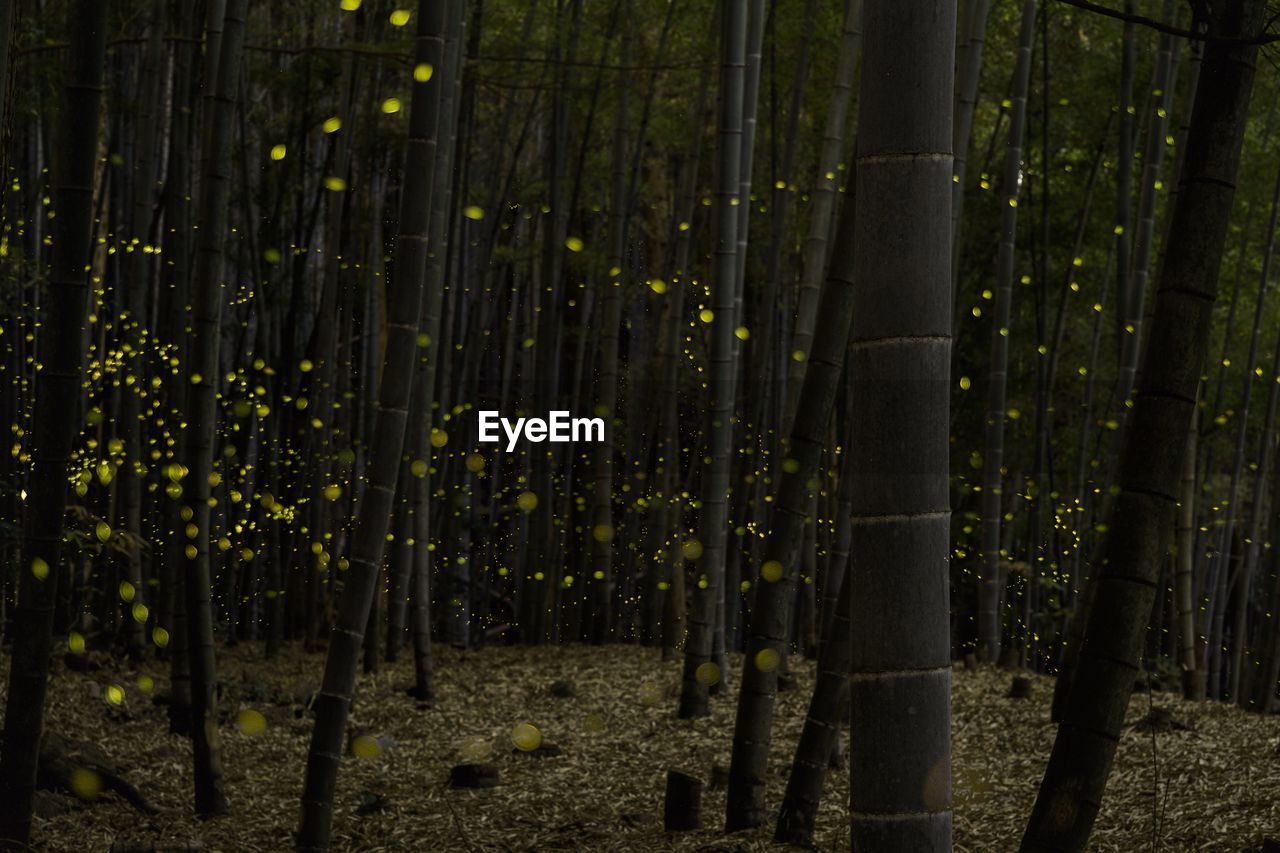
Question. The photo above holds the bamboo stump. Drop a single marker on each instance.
(682, 810)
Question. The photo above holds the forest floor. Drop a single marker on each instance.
(1214, 785)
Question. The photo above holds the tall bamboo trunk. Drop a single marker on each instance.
(175, 296)
(1219, 601)
(1185, 541)
(137, 293)
(775, 587)
(60, 353)
(1148, 193)
(1150, 467)
(899, 366)
(602, 584)
(700, 672)
(973, 37)
(373, 509)
(1243, 584)
(819, 737)
(989, 638)
(207, 296)
(822, 201)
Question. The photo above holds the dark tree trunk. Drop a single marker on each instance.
(899, 367)
(373, 510)
(60, 353)
(207, 296)
(1138, 536)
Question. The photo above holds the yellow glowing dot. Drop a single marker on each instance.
(475, 748)
(145, 683)
(473, 212)
(335, 184)
(657, 285)
(102, 530)
(40, 569)
(526, 737)
(85, 783)
(191, 552)
(602, 532)
(224, 544)
(798, 356)
(332, 492)
(114, 694)
(742, 333)
(278, 152)
(527, 501)
(365, 746)
(391, 105)
(306, 366)
(399, 17)
(650, 692)
(767, 660)
(160, 637)
(422, 72)
(332, 124)
(574, 244)
(475, 463)
(75, 642)
(965, 383)
(140, 613)
(707, 674)
(127, 592)
(691, 549)
(771, 571)
(418, 468)
(250, 722)
(439, 438)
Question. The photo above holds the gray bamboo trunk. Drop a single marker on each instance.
(1218, 603)
(373, 509)
(818, 739)
(699, 670)
(137, 291)
(899, 366)
(822, 206)
(60, 353)
(1254, 529)
(989, 631)
(1150, 466)
(968, 74)
(775, 587)
(207, 295)
(1144, 233)
(175, 287)
(602, 584)
(1185, 540)
(1124, 192)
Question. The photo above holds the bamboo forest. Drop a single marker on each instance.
(640, 425)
